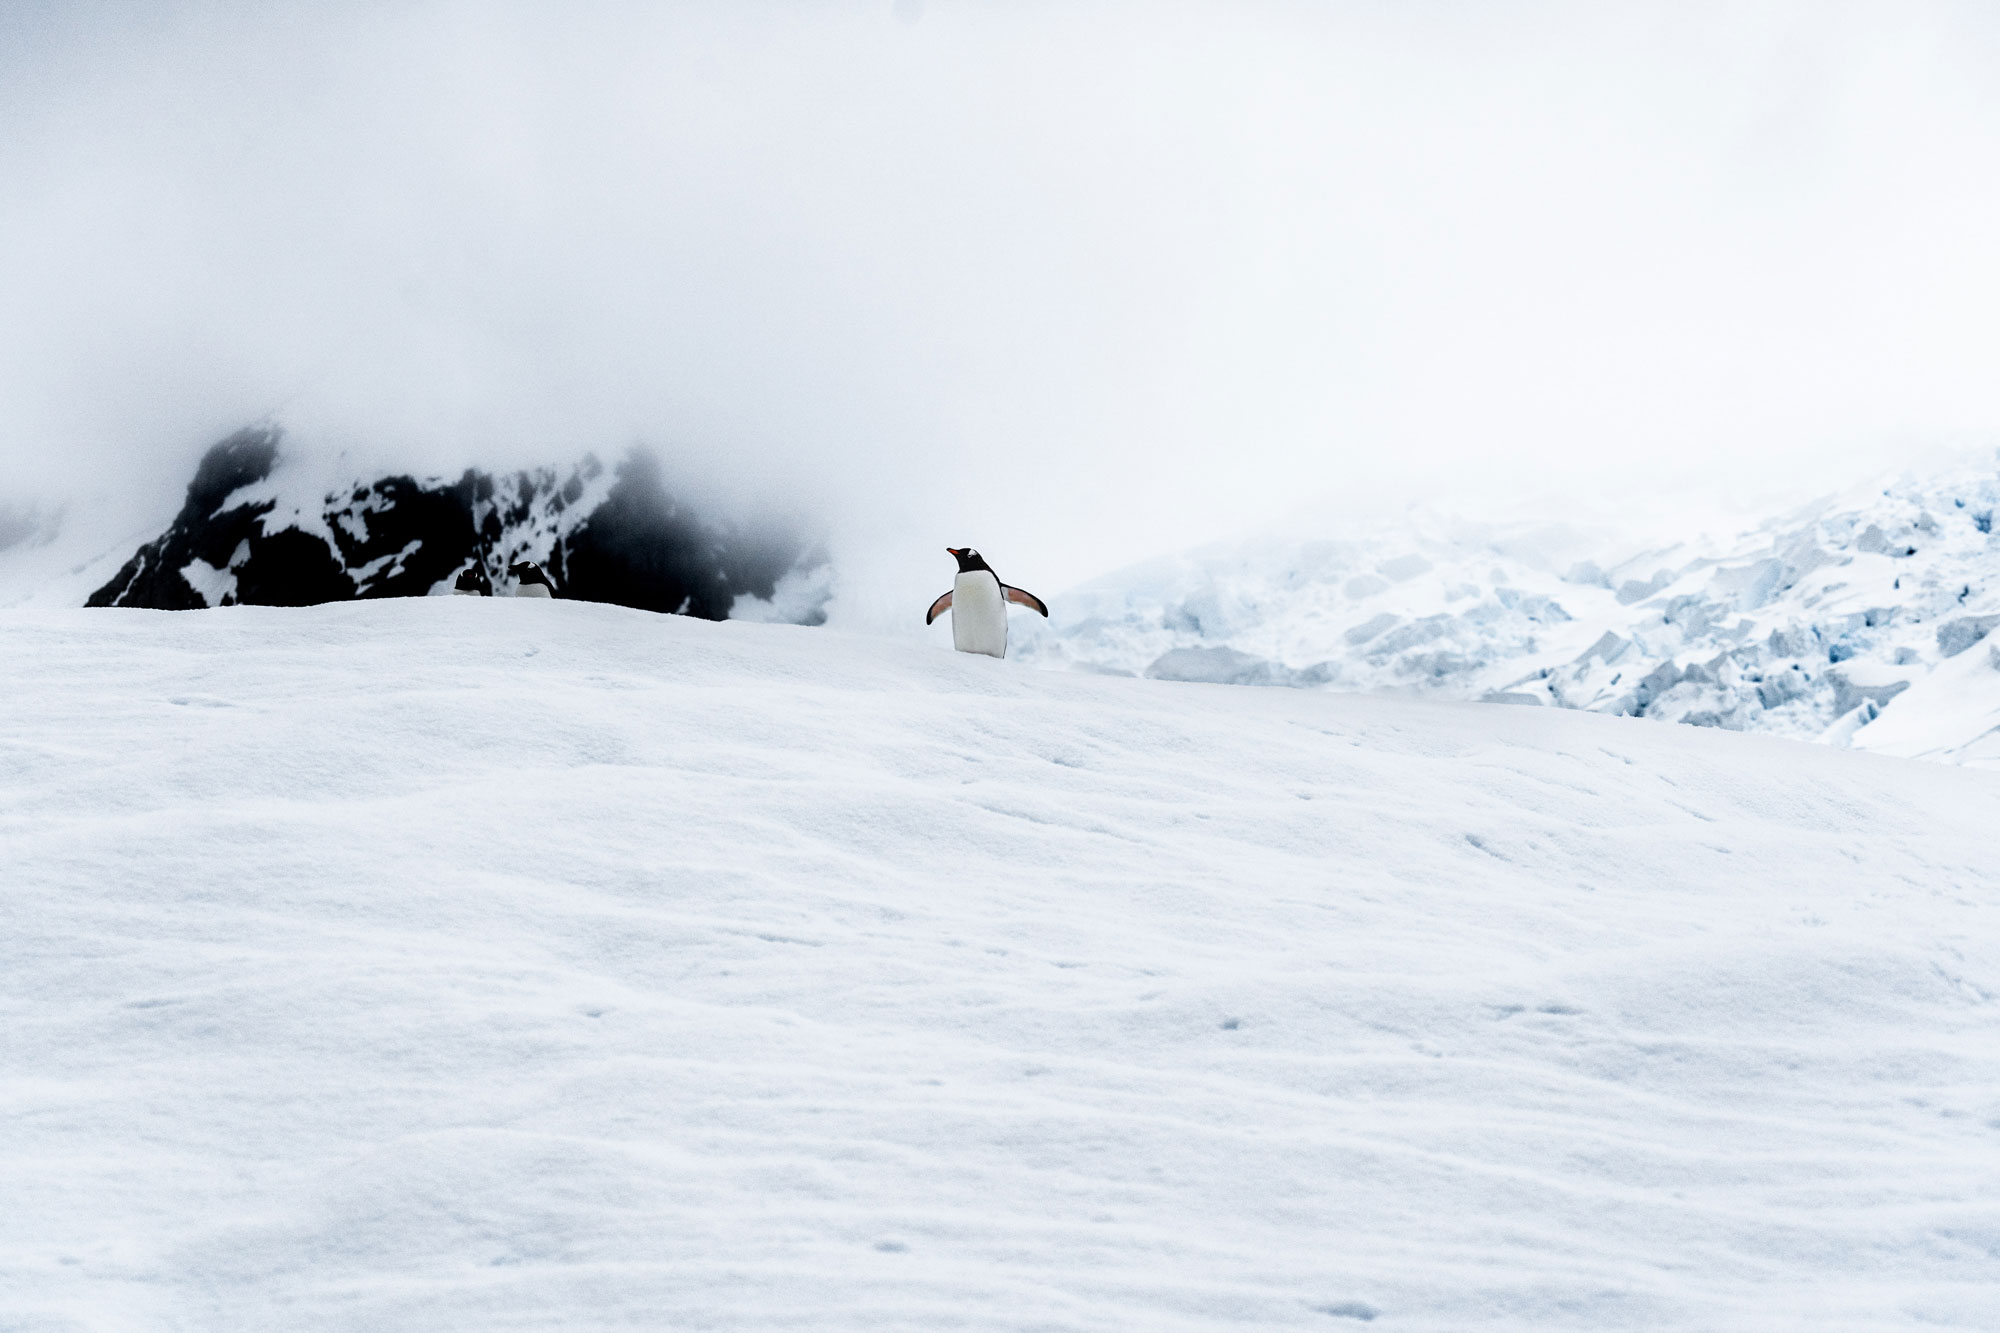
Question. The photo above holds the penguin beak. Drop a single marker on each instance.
(951, 550)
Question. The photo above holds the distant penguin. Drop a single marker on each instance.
(531, 581)
(473, 583)
(978, 605)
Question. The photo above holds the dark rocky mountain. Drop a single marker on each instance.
(247, 535)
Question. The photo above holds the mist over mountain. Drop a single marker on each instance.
(1079, 285)
(1082, 284)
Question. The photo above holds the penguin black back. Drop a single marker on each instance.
(531, 581)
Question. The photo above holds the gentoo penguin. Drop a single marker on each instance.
(978, 605)
(532, 582)
(473, 583)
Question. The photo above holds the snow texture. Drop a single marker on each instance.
(1814, 626)
(482, 963)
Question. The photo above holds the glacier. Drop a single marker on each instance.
(1820, 623)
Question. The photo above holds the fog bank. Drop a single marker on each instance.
(1076, 284)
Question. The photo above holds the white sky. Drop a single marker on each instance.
(1075, 283)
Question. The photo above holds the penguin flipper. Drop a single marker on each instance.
(1027, 599)
(938, 608)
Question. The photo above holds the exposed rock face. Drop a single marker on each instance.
(244, 536)
(640, 548)
(217, 554)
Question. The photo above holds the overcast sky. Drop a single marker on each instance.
(1076, 283)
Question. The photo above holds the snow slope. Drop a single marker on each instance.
(1810, 626)
(463, 963)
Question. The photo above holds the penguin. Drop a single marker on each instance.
(978, 605)
(472, 582)
(532, 582)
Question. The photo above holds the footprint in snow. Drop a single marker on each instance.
(1361, 1310)
(1480, 843)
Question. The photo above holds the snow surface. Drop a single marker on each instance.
(483, 963)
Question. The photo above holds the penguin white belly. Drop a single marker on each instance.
(532, 590)
(978, 614)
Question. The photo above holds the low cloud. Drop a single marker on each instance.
(1076, 283)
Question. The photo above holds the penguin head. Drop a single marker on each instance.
(968, 559)
(473, 582)
(527, 571)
